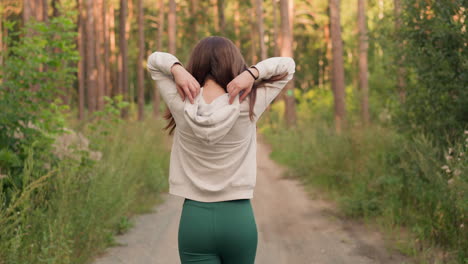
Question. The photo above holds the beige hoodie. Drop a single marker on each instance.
(213, 156)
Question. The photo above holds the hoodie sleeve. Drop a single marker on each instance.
(267, 91)
(159, 65)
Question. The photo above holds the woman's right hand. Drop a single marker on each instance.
(187, 85)
(243, 82)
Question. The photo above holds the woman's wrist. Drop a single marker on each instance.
(176, 67)
(255, 71)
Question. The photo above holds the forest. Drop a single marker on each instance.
(376, 115)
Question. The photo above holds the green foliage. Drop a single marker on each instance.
(377, 172)
(434, 41)
(70, 214)
(38, 62)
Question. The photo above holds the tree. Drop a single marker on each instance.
(81, 65)
(261, 31)
(123, 56)
(172, 26)
(287, 51)
(160, 24)
(91, 71)
(401, 83)
(221, 20)
(338, 78)
(140, 73)
(363, 68)
(100, 41)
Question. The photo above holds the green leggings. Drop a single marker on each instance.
(217, 232)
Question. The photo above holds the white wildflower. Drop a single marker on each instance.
(445, 167)
(448, 157)
(450, 150)
(448, 171)
(462, 226)
(457, 172)
(450, 181)
(466, 132)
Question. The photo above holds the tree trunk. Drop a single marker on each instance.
(27, 10)
(55, 8)
(338, 78)
(401, 72)
(276, 35)
(1, 47)
(328, 55)
(221, 20)
(237, 24)
(106, 35)
(141, 52)
(253, 36)
(363, 68)
(81, 65)
(172, 27)
(214, 4)
(45, 11)
(101, 73)
(123, 68)
(114, 88)
(156, 95)
(194, 22)
(261, 31)
(91, 71)
(287, 51)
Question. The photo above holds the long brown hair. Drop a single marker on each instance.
(215, 58)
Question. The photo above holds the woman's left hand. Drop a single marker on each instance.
(243, 82)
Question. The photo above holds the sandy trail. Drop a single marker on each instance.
(293, 228)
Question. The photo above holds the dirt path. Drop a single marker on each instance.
(293, 229)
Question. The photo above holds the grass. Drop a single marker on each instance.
(72, 213)
(376, 173)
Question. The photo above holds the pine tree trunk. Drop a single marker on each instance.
(237, 24)
(261, 31)
(338, 78)
(106, 35)
(194, 22)
(401, 72)
(276, 35)
(101, 73)
(55, 8)
(141, 52)
(91, 71)
(172, 26)
(221, 20)
(45, 11)
(156, 96)
(81, 62)
(253, 36)
(123, 68)
(112, 52)
(363, 68)
(27, 12)
(287, 51)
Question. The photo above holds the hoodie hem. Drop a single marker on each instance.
(206, 196)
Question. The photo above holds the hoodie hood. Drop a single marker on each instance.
(211, 122)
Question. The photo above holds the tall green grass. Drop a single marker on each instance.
(377, 173)
(73, 212)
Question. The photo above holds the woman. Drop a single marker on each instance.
(213, 158)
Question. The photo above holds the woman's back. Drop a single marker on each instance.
(213, 155)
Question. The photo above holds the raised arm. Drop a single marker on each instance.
(272, 68)
(159, 65)
(171, 78)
